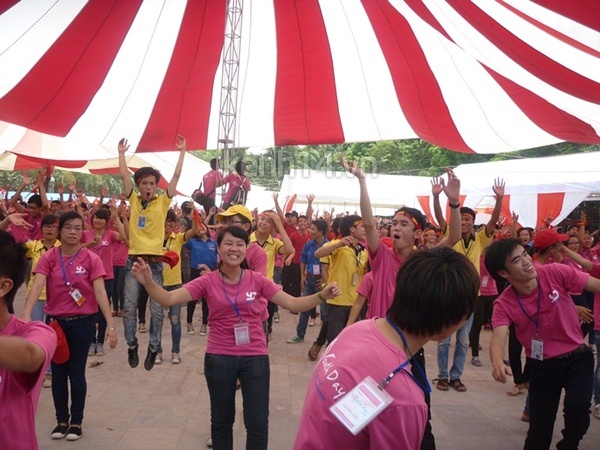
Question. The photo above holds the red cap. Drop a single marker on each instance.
(171, 258)
(61, 354)
(548, 237)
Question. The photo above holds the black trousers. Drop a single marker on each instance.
(291, 279)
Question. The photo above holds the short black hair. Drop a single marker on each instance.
(49, 219)
(240, 167)
(145, 171)
(414, 212)
(213, 163)
(346, 223)
(36, 199)
(185, 207)
(467, 210)
(335, 225)
(103, 214)
(171, 216)
(12, 263)
(68, 217)
(321, 226)
(435, 289)
(496, 254)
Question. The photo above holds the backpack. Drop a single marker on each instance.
(239, 196)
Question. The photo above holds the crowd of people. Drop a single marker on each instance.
(380, 288)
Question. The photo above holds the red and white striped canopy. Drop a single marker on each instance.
(481, 76)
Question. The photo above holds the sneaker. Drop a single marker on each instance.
(476, 362)
(59, 432)
(73, 433)
(202, 330)
(525, 417)
(191, 329)
(295, 340)
(132, 357)
(99, 349)
(276, 316)
(120, 313)
(314, 351)
(92, 350)
(158, 359)
(114, 313)
(597, 411)
(209, 442)
(150, 359)
(175, 358)
(142, 327)
(47, 383)
(311, 322)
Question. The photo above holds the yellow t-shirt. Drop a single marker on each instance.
(174, 243)
(35, 250)
(346, 268)
(271, 247)
(474, 247)
(147, 225)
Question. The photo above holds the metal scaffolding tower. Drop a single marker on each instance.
(229, 83)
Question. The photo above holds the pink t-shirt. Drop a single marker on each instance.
(595, 272)
(256, 258)
(104, 249)
(81, 270)
(234, 180)
(558, 323)
(384, 267)
(345, 364)
(22, 234)
(120, 254)
(488, 284)
(20, 392)
(365, 288)
(250, 295)
(209, 182)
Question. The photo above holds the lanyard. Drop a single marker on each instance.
(536, 321)
(425, 388)
(234, 304)
(62, 266)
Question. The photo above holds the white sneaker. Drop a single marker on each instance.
(190, 329)
(597, 411)
(47, 383)
(158, 359)
(202, 330)
(99, 349)
(276, 317)
(175, 358)
(92, 350)
(142, 328)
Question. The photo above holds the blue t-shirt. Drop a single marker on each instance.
(308, 256)
(202, 252)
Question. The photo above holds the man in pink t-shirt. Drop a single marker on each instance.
(375, 348)
(25, 352)
(546, 321)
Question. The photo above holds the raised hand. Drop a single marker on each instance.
(437, 185)
(452, 189)
(498, 187)
(123, 146)
(352, 167)
(181, 143)
(310, 198)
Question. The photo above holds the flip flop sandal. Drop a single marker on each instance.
(515, 391)
(442, 384)
(457, 385)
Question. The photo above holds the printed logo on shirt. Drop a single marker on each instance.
(250, 296)
(104, 243)
(554, 296)
(331, 373)
(80, 270)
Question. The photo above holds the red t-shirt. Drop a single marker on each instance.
(298, 241)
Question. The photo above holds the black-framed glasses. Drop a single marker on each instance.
(233, 222)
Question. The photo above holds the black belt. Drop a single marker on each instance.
(147, 258)
(581, 349)
(313, 276)
(70, 318)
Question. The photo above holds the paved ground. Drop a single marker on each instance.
(168, 407)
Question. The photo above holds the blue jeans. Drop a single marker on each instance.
(460, 352)
(100, 319)
(574, 374)
(132, 289)
(221, 372)
(79, 334)
(118, 287)
(175, 318)
(37, 313)
(311, 286)
(597, 372)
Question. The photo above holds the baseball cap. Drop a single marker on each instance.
(548, 237)
(171, 258)
(291, 214)
(234, 211)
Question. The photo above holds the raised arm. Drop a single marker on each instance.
(515, 225)
(123, 170)
(181, 146)
(14, 200)
(141, 271)
(278, 209)
(309, 209)
(299, 304)
(288, 247)
(498, 189)
(365, 205)
(437, 186)
(452, 191)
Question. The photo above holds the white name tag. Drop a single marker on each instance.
(316, 269)
(79, 299)
(361, 405)
(242, 333)
(537, 349)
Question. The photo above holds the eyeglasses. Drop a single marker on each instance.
(71, 228)
(233, 222)
(49, 227)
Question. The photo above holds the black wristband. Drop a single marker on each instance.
(454, 205)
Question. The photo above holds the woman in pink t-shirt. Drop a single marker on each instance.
(74, 278)
(237, 299)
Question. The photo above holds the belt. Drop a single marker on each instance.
(70, 318)
(581, 349)
(310, 275)
(148, 258)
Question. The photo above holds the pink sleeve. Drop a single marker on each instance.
(96, 266)
(499, 316)
(595, 272)
(42, 335)
(246, 184)
(400, 426)
(267, 288)
(43, 265)
(366, 285)
(197, 287)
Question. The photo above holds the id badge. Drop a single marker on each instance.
(142, 222)
(355, 279)
(316, 270)
(361, 405)
(79, 299)
(242, 333)
(537, 349)
(484, 281)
